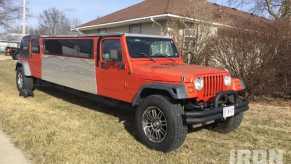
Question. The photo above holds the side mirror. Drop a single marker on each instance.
(106, 57)
(121, 65)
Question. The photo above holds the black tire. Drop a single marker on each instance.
(228, 125)
(14, 57)
(26, 85)
(177, 131)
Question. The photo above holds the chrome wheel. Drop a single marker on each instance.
(155, 124)
(20, 80)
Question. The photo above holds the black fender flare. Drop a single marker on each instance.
(18, 65)
(177, 92)
(25, 66)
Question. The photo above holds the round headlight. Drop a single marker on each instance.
(199, 83)
(227, 80)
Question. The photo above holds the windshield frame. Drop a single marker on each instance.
(147, 56)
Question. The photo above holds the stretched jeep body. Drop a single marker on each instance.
(143, 70)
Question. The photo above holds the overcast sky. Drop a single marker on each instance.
(84, 10)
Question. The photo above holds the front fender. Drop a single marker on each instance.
(25, 66)
(177, 92)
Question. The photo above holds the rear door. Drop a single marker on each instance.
(35, 57)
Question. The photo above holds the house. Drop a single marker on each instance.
(153, 17)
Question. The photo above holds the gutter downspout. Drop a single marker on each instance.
(157, 23)
(74, 29)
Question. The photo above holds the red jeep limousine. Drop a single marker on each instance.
(143, 70)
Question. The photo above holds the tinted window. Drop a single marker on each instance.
(69, 47)
(140, 47)
(111, 49)
(35, 46)
(24, 46)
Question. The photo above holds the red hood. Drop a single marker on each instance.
(173, 72)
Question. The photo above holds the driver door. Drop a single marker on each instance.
(111, 69)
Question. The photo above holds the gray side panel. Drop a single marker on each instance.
(76, 73)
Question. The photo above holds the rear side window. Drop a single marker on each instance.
(35, 46)
(69, 47)
(24, 47)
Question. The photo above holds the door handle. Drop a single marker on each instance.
(121, 66)
(104, 65)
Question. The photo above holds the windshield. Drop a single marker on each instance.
(140, 47)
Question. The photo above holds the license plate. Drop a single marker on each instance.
(228, 112)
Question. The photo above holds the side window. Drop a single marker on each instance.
(85, 48)
(77, 48)
(24, 47)
(69, 47)
(35, 46)
(161, 48)
(53, 47)
(111, 50)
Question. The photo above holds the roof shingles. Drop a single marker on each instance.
(146, 8)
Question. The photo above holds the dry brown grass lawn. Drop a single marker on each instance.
(56, 127)
(3, 57)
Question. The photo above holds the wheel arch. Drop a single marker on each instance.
(25, 66)
(18, 65)
(175, 92)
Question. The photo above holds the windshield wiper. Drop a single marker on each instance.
(151, 58)
(148, 56)
(165, 56)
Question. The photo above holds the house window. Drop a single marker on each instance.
(135, 28)
(102, 31)
(190, 37)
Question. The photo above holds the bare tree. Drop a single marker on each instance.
(248, 55)
(266, 72)
(277, 9)
(196, 38)
(8, 12)
(75, 22)
(194, 32)
(54, 21)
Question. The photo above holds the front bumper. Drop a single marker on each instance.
(215, 112)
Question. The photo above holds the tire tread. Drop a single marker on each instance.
(174, 111)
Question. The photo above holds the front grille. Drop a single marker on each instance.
(212, 85)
